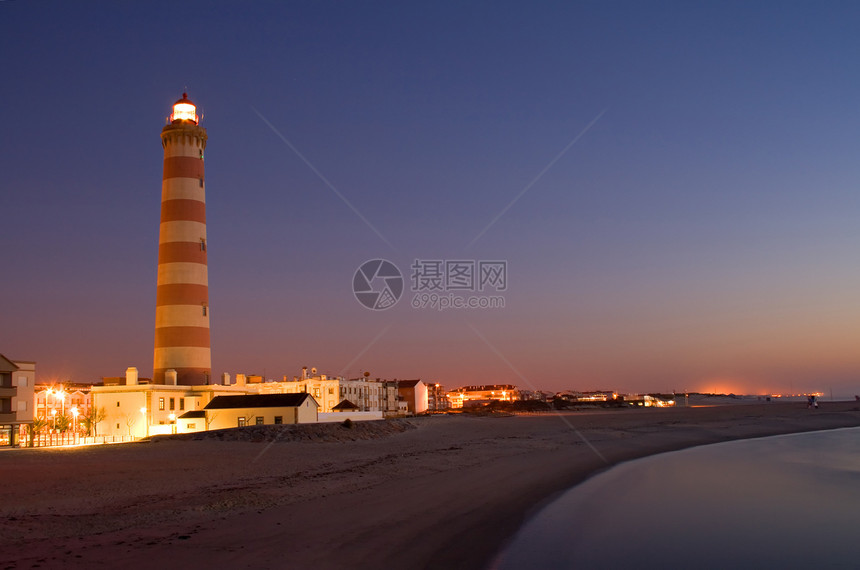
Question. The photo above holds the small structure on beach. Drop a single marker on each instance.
(260, 409)
(345, 406)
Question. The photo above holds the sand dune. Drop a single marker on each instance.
(446, 494)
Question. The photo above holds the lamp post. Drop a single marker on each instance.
(75, 420)
(57, 394)
(146, 423)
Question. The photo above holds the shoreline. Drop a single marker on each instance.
(450, 493)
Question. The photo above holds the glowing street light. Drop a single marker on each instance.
(146, 423)
(58, 394)
(75, 413)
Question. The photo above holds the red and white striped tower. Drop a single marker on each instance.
(182, 301)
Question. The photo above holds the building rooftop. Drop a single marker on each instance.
(258, 401)
(193, 414)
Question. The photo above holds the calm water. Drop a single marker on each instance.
(789, 501)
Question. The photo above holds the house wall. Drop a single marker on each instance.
(421, 403)
(415, 397)
(354, 416)
(308, 412)
(190, 425)
(122, 412)
(24, 379)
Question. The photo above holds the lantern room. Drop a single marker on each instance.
(184, 110)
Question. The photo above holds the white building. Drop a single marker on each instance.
(140, 410)
(17, 379)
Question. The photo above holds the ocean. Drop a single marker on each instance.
(789, 501)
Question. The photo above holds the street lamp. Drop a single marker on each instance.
(49, 392)
(75, 419)
(146, 423)
(61, 394)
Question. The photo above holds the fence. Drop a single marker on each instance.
(52, 439)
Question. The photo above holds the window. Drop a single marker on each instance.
(202, 244)
(279, 419)
(117, 426)
(181, 404)
(259, 420)
(117, 403)
(241, 422)
(317, 392)
(172, 404)
(331, 390)
(201, 183)
(160, 404)
(192, 426)
(204, 310)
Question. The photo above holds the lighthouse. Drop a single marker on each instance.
(182, 299)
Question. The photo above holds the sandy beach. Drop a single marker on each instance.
(432, 492)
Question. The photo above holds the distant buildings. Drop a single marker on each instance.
(437, 398)
(472, 396)
(135, 409)
(326, 390)
(55, 400)
(414, 393)
(17, 380)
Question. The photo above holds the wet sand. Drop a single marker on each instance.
(447, 494)
(787, 501)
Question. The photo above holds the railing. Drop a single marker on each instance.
(69, 438)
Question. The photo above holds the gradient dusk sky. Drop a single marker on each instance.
(701, 234)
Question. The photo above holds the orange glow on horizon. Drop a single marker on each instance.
(735, 386)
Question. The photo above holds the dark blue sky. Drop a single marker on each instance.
(702, 234)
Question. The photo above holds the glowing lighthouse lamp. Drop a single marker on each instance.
(184, 110)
